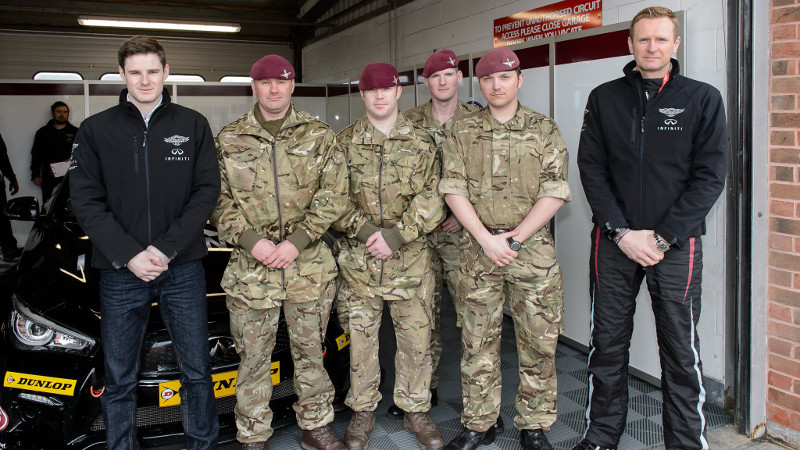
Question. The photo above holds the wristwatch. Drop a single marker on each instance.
(514, 244)
(661, 244)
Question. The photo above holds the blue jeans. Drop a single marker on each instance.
(125, 306)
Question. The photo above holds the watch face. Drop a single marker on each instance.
(514, 244)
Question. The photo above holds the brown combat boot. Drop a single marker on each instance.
(428, 436)
(255, 446)
(321, 438)
(361, 425)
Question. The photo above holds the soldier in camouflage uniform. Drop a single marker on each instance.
(504, 178)
(442, 77)
(283, 184)
(394, 175)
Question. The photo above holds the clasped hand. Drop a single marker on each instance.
(496, 248)
(640, 246)
(274, 256)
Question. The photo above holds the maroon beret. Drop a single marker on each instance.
(500, 59)
(378, 76)
(272, 66)
(443, 59)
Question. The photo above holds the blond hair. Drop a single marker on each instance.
(655, 12)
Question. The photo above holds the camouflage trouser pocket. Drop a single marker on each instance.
(353, 265)
(303, 282)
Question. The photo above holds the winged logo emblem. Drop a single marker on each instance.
(176, 140)
(670, 112)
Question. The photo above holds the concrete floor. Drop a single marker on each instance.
(728, 437)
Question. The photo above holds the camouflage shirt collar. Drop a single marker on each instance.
(428, 121)
(516, 123)
(366, 133)
(250, 124)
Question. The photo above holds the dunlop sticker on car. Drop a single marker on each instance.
(224, 385)
(343, 340)
(28, 382)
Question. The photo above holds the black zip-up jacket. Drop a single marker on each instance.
(653, 166)
(133, 185)
(51, 145)
(5, 164)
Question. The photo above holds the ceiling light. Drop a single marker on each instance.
(156, 25)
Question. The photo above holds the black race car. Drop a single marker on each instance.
(52, 356)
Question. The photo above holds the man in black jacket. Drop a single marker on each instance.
(8, 243)
(144, 180)
(652, 160)
(52, 144)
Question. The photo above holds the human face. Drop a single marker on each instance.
(61, 115)
(381, 103)
(500, 88)
(144, 76)
(274, 96)
(444, 84)
(652, 45)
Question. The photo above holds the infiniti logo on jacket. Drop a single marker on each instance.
(670, 124)
(176, 154)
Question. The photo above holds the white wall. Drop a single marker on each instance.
(465, 26)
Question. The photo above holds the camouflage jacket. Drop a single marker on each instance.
(310, 193)
(393, 188)
(422, 116)
(504, 168)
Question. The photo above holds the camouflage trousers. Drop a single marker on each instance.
(254, 332)
(444, 261)
(412, 326)
(535, 288)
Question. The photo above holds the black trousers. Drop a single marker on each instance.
(674, 285)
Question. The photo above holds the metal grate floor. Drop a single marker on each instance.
(644, 409)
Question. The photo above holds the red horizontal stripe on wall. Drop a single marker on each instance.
(590, 48)
(338, 89)
(114, 89)
(215, 91)
(463, 66)
(41, 89)
(409, 80)
(532, 57)
(309, 91)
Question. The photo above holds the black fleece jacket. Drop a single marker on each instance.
(658, 165)
(51, 145)
(133, 185)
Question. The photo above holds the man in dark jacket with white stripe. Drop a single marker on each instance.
(143, 181)
(652, 160)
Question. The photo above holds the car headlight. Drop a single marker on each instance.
(38, 333)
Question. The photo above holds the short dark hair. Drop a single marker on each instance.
(141, 45)
(655, 12)
(56, 105)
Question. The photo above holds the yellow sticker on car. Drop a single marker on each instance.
(38, 383)
(224, 385)
(343, 341)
